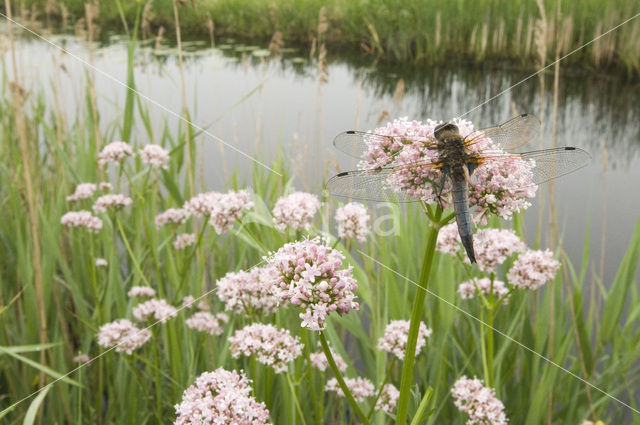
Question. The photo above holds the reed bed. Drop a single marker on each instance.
(61, 285)
(425, 32)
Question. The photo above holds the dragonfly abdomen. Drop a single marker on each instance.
(460, 194)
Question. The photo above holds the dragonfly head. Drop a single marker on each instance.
(445, 131)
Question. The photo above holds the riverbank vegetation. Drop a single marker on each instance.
(527, 33)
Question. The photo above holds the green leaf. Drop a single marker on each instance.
(40, 367)
(30, 417)
(616, 299)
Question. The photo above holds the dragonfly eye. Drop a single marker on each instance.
(441, 130)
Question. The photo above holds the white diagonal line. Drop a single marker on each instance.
(551, 64)
(543, 357)
(142, 95)
(178, 310)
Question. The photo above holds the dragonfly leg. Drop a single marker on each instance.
(440, 185)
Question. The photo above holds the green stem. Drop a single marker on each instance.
(416, 316)
(343, 385)
(483, 350)
(490, 347)
(130, 251)
(314, 394)
(386, 378)
(295, 399)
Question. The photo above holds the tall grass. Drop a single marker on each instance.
(427, 32)
(599, 344)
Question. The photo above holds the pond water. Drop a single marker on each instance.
(261, 104)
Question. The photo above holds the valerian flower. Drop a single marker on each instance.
(468, 289)
(295, 211)
(353, 220)
(532, 269)
(492, 246)
(83, 191)
(110, 200)
(172, 216)
(220, 397)
(114, 152)
(184, 240)
(123, 335)
(248, 292)
(228, 208)
(82, 219)
(388, 398)
(204, 321)
(360, 388)
(157, 308)
(308, 274)
(155, 156)
(500, 188)
(272, 346)
(479, 402)
(81, 358)
(320, 362)
(396, 336)
(222, 209)
(141, 291)
(201, 204)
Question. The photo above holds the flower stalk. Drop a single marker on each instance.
(343, 385)
(435, 214)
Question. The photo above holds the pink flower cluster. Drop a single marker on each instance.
(396, 335)
(114, 152)
(479, 402)
(272, 346)
(160, 310)
(500, 187)
(204, 321)
(449, 239)
(155, 156)
(307, 274)
(201, 204)
(360, 388)
(353, 221)
(493, 246)
(83, 191)
(228, 208)
(223, 209)
(184, 240)
(172, 216)
(111, 200)
(468, 289)
(296, 211)
(248, 292)
(320, 362)
(388, 398)
(220, 397)
(81, 358)
(123, 335)
(188, 301)
(532, 269)
(82, 219)
(141, 291)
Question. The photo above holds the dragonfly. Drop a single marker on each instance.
(454, 159)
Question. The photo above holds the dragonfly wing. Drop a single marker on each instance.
(357, 143)
(511, 135)
(546, 164)
(366, 185)
(556, 162)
